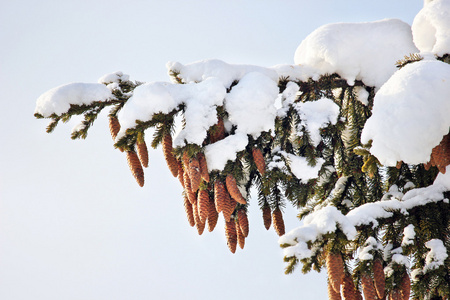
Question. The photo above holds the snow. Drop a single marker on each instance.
(357, 51)
(301, 169)
(436, 256)
(58, 100)
(408, 235)
(220, 152)
(113, 77)
(410, 114)
(431, 28)
(370, 244)
(317, 114)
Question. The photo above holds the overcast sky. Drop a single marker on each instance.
(73, 222)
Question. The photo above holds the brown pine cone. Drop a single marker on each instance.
(135, 167)
(379, 279)
(348, 288)
(198, 222)
(203, 166)
(229, 206)
(213, 216)
(217, 132)
(243, 222)
(180, 173)
(194, 174)
(187, 188)
(267, 217)
(114, 127)
(260, 163)
(220, 195)
(240, 235)
(368, 288)
(332, 294)
(171, 161)
(234, 190)
(230, 233)
(189, 211)
(203, 204)
(142, 152)
(335, 270)
(405, 287)
(278, 222)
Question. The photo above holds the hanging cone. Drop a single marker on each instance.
(230, 233)
(240, 235)
(203, 166)
(441, 154)
(243, 222)
(395, 295)
(187, 188)
(189, 211)
(219, 196)
(379, 279)
(332, 294)
(142, 152)
(260, 163)
(198, 222)
(114, 127)
(213, 216)
(194, 174)
(217, 132)
(405, 287)
(368, 288)
(180, 173)
(278, 223)
(229, 205)
(135, 167)
(234, 190)
(267, 217)
(203, 204)
(335, 270)
(168, 154)
(348, 288)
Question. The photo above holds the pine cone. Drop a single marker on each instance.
(368, 288)
(142, 152)
(278, 223)
(267, 218)
(114, 127)
(203, 166)
(405, 287)
(243, 222)
(198, 222)
(135, 167)
(187, 188)
(229, 205)
(230, 233)
(194, 174)
(189, 211)
(335, 270)
(240, 235)
(395, 295)
(168, 154)
(203, 204)
(379, 279)
(348, 288)
(180, 173)
(217, 132)
(332, 294)
(260, 163)
(213, 216)
(234, 190)
(220, 195)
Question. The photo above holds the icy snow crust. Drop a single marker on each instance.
(431, 27)
(357, 51)
(58, 100)
(410, 113)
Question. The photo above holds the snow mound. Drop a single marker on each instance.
(431, 27)
(410, 114)
(58, 100)
(357, 51)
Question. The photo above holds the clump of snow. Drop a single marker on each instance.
(431, 28)
(410, 113)
(317, 114)
(436, 256)
(58, 100)
(362, 94)
(114, 77)
(251, 104)
(370, 245)
(408, 235)
(357, 51)
(288, 97)
(218, 154)
(301, 169)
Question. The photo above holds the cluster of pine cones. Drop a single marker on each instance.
(373, 285)
(204, 201)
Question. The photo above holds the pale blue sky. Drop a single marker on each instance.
(73, 222)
